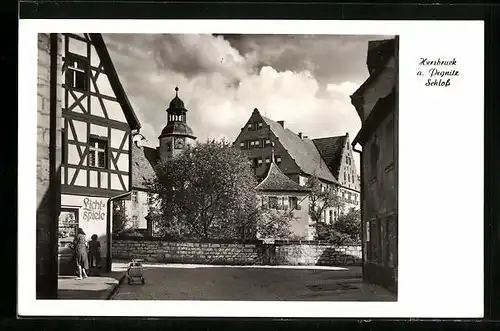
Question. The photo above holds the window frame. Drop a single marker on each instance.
(72, 71)
(93, 140)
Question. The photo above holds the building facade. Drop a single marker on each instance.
(98, 126)
(376, 103)
(279, 194)
(298, 157)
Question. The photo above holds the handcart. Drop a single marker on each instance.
(135, 271)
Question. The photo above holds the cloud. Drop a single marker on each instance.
(304, 80)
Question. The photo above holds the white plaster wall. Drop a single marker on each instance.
(80, 130)
(92, 215)
(115, 111)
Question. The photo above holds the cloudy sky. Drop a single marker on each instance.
(304, 80)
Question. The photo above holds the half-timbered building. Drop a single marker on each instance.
(97, 132)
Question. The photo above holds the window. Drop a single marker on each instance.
(257, 143)
(273, 202)
(249, 126)
(264, 202)
(331, 216)
(345, 177)
(259, 162)
(349, 178)
(77, 72)
(268, 142)
(278, 159)
(242, 144)
(293, 202)
(135, 221)
(252, 143)
(260, 125)
(268, 160)
(98, 152)
(134, 196)
(374, 153)
(255, 163)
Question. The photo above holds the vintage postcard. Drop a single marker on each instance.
(251, 168)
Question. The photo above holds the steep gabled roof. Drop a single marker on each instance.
(378, 54)
(144, 160)
(382, 108)
(331, 149)
(114, 81)
(277, 181)
(302, 151)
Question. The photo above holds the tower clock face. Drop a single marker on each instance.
(179, 143)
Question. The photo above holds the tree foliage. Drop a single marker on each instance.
(345, 230)
(321, 198)
(275, 224)
(206, 192)
(119, 217)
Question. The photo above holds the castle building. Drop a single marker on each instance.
(376, 103)
(174, 138)
(93, 143)
(298, 157)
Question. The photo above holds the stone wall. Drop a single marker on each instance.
(48, 162)
(152, 250)
(316, 253)
(233, 253)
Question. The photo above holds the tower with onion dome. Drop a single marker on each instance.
(177, 134)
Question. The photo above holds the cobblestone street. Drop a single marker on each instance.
(196, 282)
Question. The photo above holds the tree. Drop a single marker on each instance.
(321, 198)
(345, 230)
(119, 217)
(350, 224)
(275, 224)
(207, 192)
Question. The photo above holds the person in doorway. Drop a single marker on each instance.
(82, 261)
(95, 252)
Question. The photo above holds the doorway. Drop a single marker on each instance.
(67, 228)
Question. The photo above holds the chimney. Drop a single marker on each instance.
(300, 135)
(282, 123)
(305, 137)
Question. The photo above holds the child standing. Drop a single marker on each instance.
(95, 252)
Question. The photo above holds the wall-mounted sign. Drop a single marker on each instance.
(93, 210)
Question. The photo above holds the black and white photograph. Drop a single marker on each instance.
(229, 163)
(221, 167)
